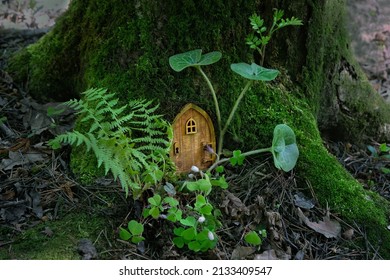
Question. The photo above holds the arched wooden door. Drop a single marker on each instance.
(192, 131)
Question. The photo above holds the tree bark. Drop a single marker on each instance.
(125, 46)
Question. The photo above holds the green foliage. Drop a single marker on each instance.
(134, 232)
(237, 158)
(259, 38)
(381, 153)
(253, 237)
(198, 234)
(284, 148)
(193, 58)
(254, 72)
(195, 224)
(130, 140)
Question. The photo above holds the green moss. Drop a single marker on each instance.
(33, 244)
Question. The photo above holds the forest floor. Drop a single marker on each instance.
(46, 213)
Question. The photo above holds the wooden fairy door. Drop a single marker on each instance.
(192, 132)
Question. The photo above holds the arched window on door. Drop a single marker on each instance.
(191, 126)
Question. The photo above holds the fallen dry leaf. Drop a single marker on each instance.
(267, 255)
(329, 228)
(241, 252)
(17, 158)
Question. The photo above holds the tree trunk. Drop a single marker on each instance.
(125, 46)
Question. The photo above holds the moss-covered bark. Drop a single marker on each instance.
(125, 45)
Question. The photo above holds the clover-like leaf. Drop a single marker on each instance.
(137, 239)
(189, 221)
(252, 238)
(154, 212)
(124, 234)
(155, 200)
(237, 158)
(135, 227)
(179, 62)
(284, 148)
(194, 246)
(254, 71)
(189, 233)
(178, 241)
(204, 185)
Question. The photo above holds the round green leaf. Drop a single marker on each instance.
(194, 246)
(178, 241)
(204, 185)
(155, 200)
(192, 186)
(179, 62)
(206, 209)
(171, 201)
(189, 221)
(252, 238)
(220, 169)
(154, 212)
(284, 148)
(254, 71)
(221, 182)
(189, 233)
(210, 58)
(137, 239)
(178, 231)
(124, 234)
(135, 227)
(200, 201)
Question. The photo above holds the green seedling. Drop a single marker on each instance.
(134, 232)
(261, 35)
(253, 238)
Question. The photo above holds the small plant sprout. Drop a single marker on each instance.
(259, 38)
(134, 232)
(253, 237)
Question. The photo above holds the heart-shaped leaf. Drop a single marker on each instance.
(189, 221)
(237, 158)
(284, 148)
(179, 62)
(135, 227)
(210, 58)
(124, 234)
(155, 200)
(252, 238)
(254, 71)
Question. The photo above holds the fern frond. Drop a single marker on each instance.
(126, 140)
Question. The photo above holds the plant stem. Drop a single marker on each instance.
(232, 112)
(217, 111)
(250, 153)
